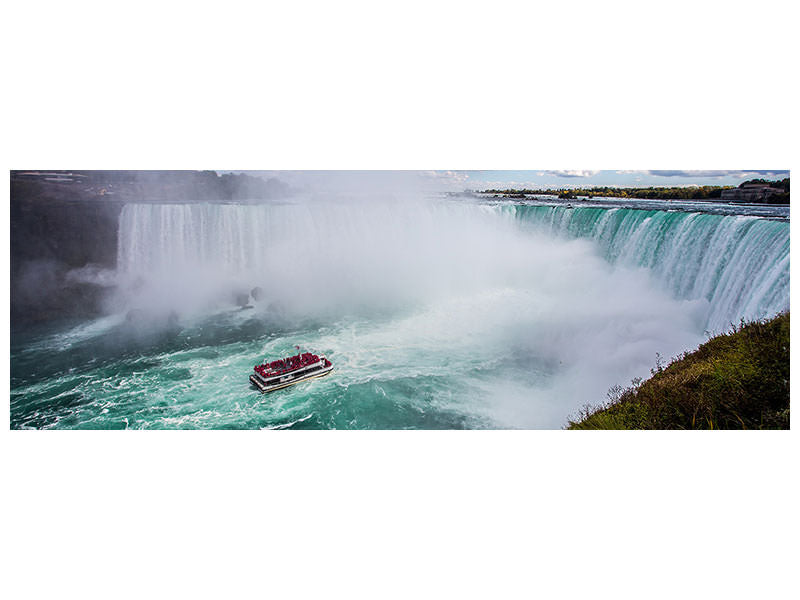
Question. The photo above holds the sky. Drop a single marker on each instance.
(580, 178)
(456, 180)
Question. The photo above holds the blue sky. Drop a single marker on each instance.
(480, 180)
(579, 178)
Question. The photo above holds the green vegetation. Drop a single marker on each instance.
(739, 380)
(706, 192)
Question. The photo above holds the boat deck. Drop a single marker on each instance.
(296, 370)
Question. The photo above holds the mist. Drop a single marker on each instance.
(323, 257)
(438, 311)
(414, 280)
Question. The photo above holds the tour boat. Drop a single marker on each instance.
(278, 374)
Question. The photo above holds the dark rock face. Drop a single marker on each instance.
(257, 293)
(42, 290)
(76, 232)
(66, 221)
(242, 299)
(50, 238)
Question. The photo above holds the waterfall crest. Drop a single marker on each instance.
(738, 264)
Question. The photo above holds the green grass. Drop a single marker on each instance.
(739, 380)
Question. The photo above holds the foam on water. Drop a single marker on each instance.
(739, 264)
(437, 314)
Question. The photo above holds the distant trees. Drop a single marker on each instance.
(703, 192)
(782, 184)
(240, 186)
(779, 198)
(650, 193)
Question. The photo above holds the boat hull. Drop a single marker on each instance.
(271, 387)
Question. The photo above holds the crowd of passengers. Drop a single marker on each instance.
(279, 367)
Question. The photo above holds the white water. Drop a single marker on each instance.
(738, 264)
(376, 254)
(511, 316)
(435, 313)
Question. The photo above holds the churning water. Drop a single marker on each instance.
(436, 313)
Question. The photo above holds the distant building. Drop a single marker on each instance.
(750, 192)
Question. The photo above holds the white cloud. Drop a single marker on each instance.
(448, 176)
(573, 173)
(517, 185)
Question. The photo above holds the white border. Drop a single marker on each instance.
(402, 86)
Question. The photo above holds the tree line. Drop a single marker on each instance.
(704, 192)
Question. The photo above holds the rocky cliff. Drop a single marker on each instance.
(64, 230)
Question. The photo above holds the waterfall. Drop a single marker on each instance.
(739, 265)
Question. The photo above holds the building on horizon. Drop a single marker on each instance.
(750, 192)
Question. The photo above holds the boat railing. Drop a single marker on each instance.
(296, 364)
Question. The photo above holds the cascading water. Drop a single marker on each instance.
(437, 314)
(739, 264)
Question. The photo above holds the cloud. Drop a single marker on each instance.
(740, 174)
(573, 173)
(368, 180)
(522, 185)
(448, 176)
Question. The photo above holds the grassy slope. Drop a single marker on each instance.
(739, 380)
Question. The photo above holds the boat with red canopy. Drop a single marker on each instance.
(277, 374)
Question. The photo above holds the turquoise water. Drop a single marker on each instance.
(738, 263)
(436, 315)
